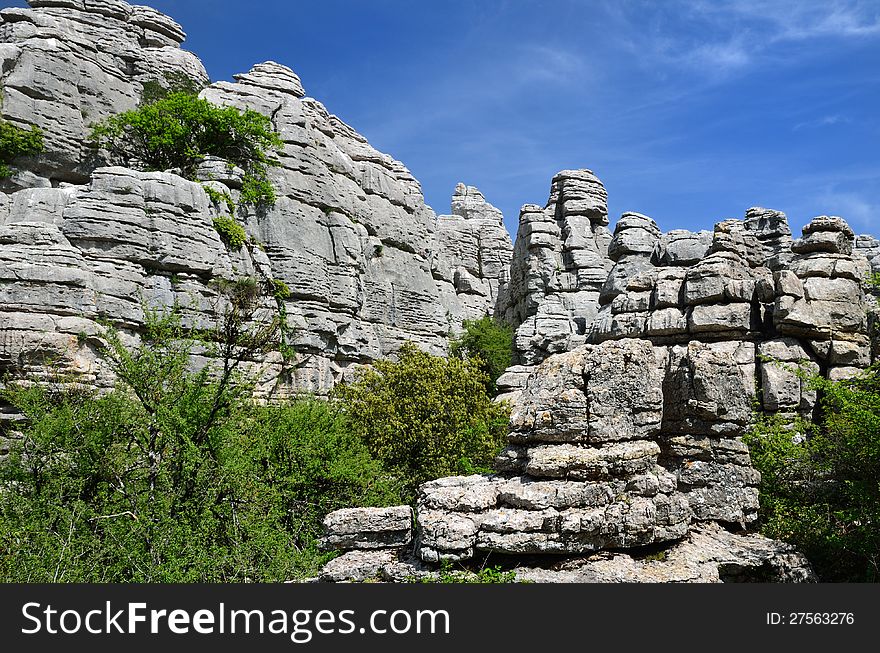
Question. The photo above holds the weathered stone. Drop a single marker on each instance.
(720, 317)
(520, 492)
(680, 247)
(709, 554)
(591, 463)
(357, 566)
(445, 531)
(368, 528)
(709, 388)
(462, 493)
(596, 393)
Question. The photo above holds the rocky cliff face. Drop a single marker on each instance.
(640, 355)
(369, 265)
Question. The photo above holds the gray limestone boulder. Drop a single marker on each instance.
(368, 528)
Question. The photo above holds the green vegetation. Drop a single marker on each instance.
(176, 475)
(231, 233)
(484, 576)
(16, 142)
(280, 290)
(425, 416)
(180, 129)
(174, 82)
(821, 490)
(489, 341)
(219, 198)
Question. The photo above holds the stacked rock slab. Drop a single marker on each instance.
(471, 261)
(739, 321)
(560, 263)
(581, 473)
(367, 262)
(585, 473)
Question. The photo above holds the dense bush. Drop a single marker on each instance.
(425, 416)
(231, 233)
(489, 341)
(176, 475)
(822, 493)
(16, 142)
(181, 129)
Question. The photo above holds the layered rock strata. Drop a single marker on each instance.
(368, 264)
(560, 264)
(708, 554)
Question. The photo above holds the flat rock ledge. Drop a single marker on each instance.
(708, 554)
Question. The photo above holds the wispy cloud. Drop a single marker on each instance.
(719, 38)
(824, 121)
(553, 64)
(860, 212)
(799, 20)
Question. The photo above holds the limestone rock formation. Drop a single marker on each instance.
(638, 377)
(369, 265)
(69, 63)
(640, 355)
(471, 262)
(560, 264)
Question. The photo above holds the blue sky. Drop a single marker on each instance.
(689, 111)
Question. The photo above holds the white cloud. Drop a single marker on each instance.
(860, 212)
(717, 38)
(824, 121)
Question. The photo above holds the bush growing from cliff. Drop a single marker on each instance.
(823, 494)
(181, 129)
(231, 233)
(175, 476)
(16, 142)
(426, 416)
(488, 340)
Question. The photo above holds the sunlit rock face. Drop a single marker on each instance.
(368, 264)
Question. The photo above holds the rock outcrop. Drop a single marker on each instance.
(69, 63)
(471, 262)
(368, 264)
(560, 265)
(708, 554)
(642, 360)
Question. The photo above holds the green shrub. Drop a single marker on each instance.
(822, 494)
(181, 129)
(425, 416)
(231, 233)
(16, 142)
(488, 340)
(280, 290)
(176, 476)
(314, 463)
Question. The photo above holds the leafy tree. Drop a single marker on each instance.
(488, 340)
(425, 416)
(822, 493)
(180, 130)
(16, 142)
